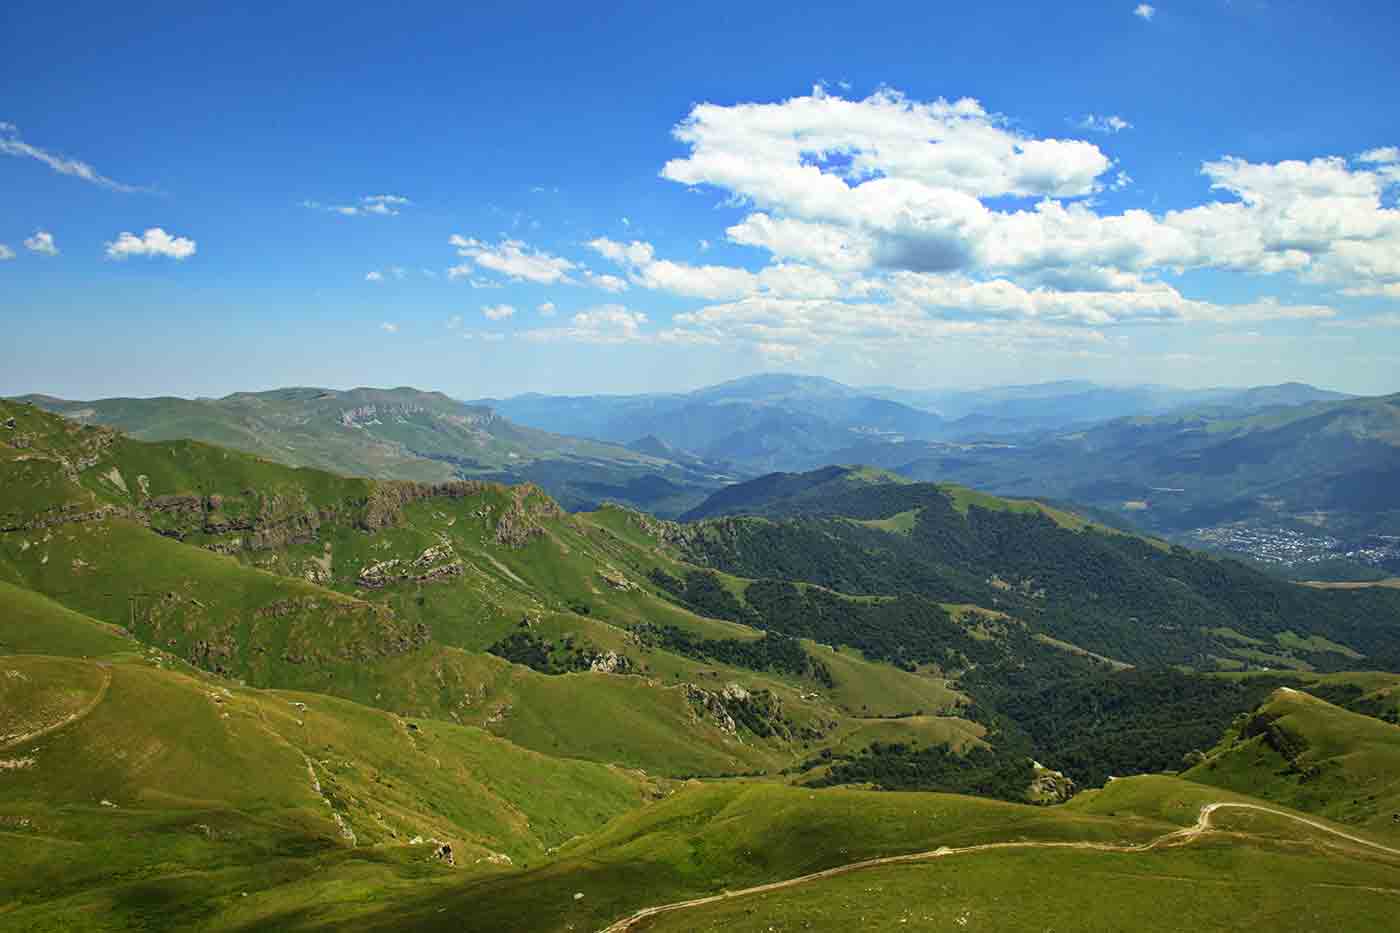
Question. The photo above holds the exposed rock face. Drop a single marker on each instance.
(610, 662)
(1049, 786)
(617, 581)
(520, 522)
(758, 711)
(425, 568)
(711, 706)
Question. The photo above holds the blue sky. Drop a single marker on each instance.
(522, 197)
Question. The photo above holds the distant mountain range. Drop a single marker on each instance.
(784, 422)
(406, 433)
(1293, 460)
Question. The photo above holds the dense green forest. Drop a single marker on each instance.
(1139, 601)
(988, 772)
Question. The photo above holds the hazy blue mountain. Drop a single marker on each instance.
(784, 421)
(406, 433)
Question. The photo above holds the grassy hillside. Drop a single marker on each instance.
(238, 695)
(1310, 755)
(404, 596)
(160, 777)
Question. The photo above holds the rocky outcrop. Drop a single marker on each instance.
(436, 563)
(520, 522)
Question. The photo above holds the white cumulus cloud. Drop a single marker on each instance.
(154, 242)
(497, 312)
(42, 243)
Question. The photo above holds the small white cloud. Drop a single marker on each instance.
(41, 242)
(546, 309)
(1385, 155)
(374, 276)
(389, 328)
(1111, 123)
(1145, 11)
(154, 242)
(1122, 181)
(497, 312)
(511, 258)
(6, 253)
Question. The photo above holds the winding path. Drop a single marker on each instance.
(10, 741)
(1176, 837)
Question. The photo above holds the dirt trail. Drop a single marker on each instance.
(1177, 837)
(13, 740)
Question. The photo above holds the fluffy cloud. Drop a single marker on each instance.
(885, 185)
(154, 242)
(604, 324)
(714, 282)
(11, 144)
(42, 243)
(6, 253)
(1385, 155)
(385, 205)
(824, 157)
(512, 258)
(889, 223)
(608, 283)
(1145, 11)
(497, 312)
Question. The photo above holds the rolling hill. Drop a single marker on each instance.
(238, 695)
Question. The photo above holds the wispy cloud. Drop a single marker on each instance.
(497, 312)
(11, 144)
(384, 205)
(374, 276)
(1106, 123)
(511, 258)
(389, 328)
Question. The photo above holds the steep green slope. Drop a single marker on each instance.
(409, 597)
(136, 779)
(1306, 753)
